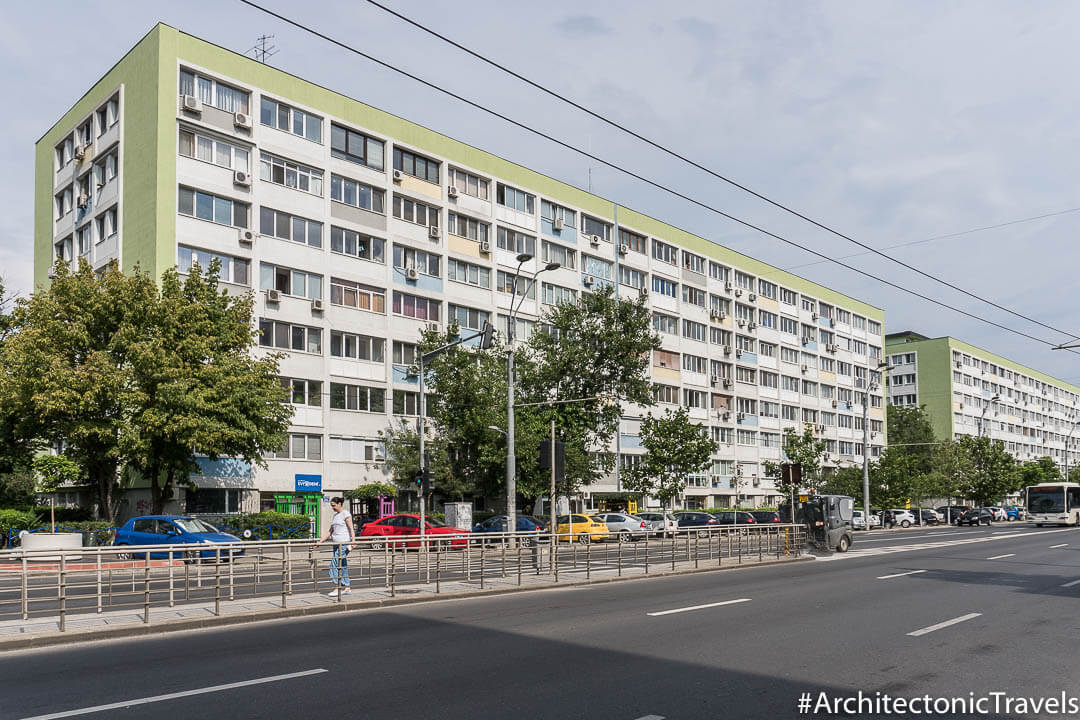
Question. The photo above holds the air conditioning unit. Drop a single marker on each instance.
(813, 316)
(740, 416)
(192, 104)
(587, 281)
(742, 323)
(433, 326)
(738, 352)
(728, 286)
(714, 316)
(821, 428)
(835, 403)
(805, 368)
(485, 247)
(273, 295)
(433, 232)
(752, 297)
(80, 152)
(594, 240)
(451, 192)
(738, 292)
(241, 178)
(727, 382)
(831, 348)
(832, 323)
(805, 341)
(727, 415)
(398, 175)
(715, 380)
(752, 325)
(727, 349)
(317, 305)
(241, 120)
(412, 273)
(557, 224)
(623, 248)
(245, 236)
(84, 201)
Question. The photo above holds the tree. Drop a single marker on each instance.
(799, 449)
(1074, 475)
(911, 432)
(952, 465)
(994, 470)
(197, 385)
(402, 444)
(674, 449)
(1043, 470)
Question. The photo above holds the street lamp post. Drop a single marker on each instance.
(871, 386)
(1068, 441)
(511, 469)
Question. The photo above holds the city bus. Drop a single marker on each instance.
(1053, 503)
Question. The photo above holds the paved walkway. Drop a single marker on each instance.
(42, 630)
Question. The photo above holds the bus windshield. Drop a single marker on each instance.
(1046, 500)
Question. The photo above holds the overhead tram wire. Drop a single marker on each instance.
(566, 145)
(707, 170)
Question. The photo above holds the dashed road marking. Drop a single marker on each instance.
(1002, 557)
(697, 607)
(1055, 547)
(941, 625)
(896, 575)
(1070, 584)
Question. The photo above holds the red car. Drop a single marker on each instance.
(409, 524)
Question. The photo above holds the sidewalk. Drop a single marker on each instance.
(87, 626)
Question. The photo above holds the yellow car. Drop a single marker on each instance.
(581, 528)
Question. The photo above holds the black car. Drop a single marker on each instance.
(690, 519)
(736, 517)
(952, 513)
(976, 516)
(927, 517)
(765, 517)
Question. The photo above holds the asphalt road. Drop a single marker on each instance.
(876, 620)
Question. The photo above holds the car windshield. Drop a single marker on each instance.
(435, 523)
(1046, 500)
(195, 525)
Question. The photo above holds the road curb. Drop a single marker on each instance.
(43, 640)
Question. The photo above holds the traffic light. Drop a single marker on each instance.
(425, 484)
(560, 457)
(486, 335)
(419, 478)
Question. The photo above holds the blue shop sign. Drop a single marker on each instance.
(308, 483)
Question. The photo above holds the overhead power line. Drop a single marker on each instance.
(663, 148)
(635, 175)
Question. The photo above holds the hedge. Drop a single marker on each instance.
(16, 520)
(265, 525)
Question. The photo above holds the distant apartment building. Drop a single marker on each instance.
(971, 391)
(357, 229)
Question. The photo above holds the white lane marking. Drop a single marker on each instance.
(1070, 584)
(173, 696)
(651, 717)
(999, 557)
(857, 552)
(1054, 547)
(947, 623)
(697, 607)
(910, 572)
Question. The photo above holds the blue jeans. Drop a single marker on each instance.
(340, 559)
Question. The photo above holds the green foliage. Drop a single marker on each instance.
(674, 449)
(285, 525)
(56, 471)
(1042, 470)
(16, 520)
(911, 432)
(994, 472)
(799, 449)
(843, 481)
(17, 487)
(371, 491)
(1074, 475)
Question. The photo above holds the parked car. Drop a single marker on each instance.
(998, 512)
(176, 530)
(766, 517)
(903, 518)
(951, 513)
(527, 526)
(699, 520)
(859, 523)
(660, 523)
(1013, 512)
(581, 528)
(408, 524)
(927, 516)
(976, 516)
(624, 526)
(735, 517)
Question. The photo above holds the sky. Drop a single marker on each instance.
(895, 123)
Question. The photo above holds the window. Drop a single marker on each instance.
(789, 325)
(769, 379)
(665, 323)
(212, 501)
(234, 270)
(767, 289)
(468, 318)
(82, 239)
(357, 194)
(354, 244)
(790, 384)
(693, 263)
(355, 347)
(65, 152)
(766, 349)
(694, 330)
(695, 398)
(633, 241)
(106, 224)
(290, 174)
(357, 295)
(355, 449)
(416, 307)
(665, 359)
(290, 119)
(467, 273)
(694, 364)
(221, 210)
(719, 304)
(665, 253)
(718, 271)
(592, 226)
(516, 242)
(552, 252)
(746, 437)
(788, 297)
(843, 316)
(633, 278)
(213, 93)
(746, 406)
(768, 319)
(287, 336)
(515, 199)
(789, 412)
(468, 183)
(809, 304)
(85, 133)
(415, 212)
(404, 353)
(668, 394)
(770, 409)
(555, 294)
(62, 250)
(108, 115)
(301, 447)
(105, 168)
(424, 262)
(274, 223)
(663, 286)
(596, 267)
(291, 282)
(63, 202)
(551, 212)
(515, 284)
(744, 313)
(809, 388)
(406, 403)
(208, 149)
(789, 355)
(467, 227)
(416, 165)
(303, 392)
(745, 343)
(522, 328)
(693, 295)
(858, 322)
(356, 147)
(873, 327)
(360, 398)
(744, 281)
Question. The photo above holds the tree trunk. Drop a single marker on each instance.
(160, 492)
(104, 477)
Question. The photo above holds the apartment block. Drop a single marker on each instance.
(357, 229)
(971, 391)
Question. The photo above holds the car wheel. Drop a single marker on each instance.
(845, 543)
(905, 524)
(624, 536)
(584, 539)
(126, 555)
(703, 533)
(377, 545)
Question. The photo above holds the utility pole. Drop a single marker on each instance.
(866, 454)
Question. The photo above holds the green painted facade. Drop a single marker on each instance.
(148, 74)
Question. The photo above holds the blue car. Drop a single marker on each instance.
(497, 524)
(175, 530)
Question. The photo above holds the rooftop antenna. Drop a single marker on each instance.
(262, 50)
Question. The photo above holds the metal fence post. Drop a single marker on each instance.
(588, 560)
(646, 554)
(438, 568)
(217, 582)
(697, 539)
(620, 558)
(519, 562)
(25, 590)
(172, 587)
(62, 587)
(98, 565)
(482, 566)
(284, 576)
(232, 594)
(146, 588)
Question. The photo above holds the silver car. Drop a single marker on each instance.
(623, 526)
(660, 523)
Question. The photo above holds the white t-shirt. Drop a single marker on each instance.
(339, 531)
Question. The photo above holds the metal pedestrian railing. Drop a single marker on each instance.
(144, 579)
